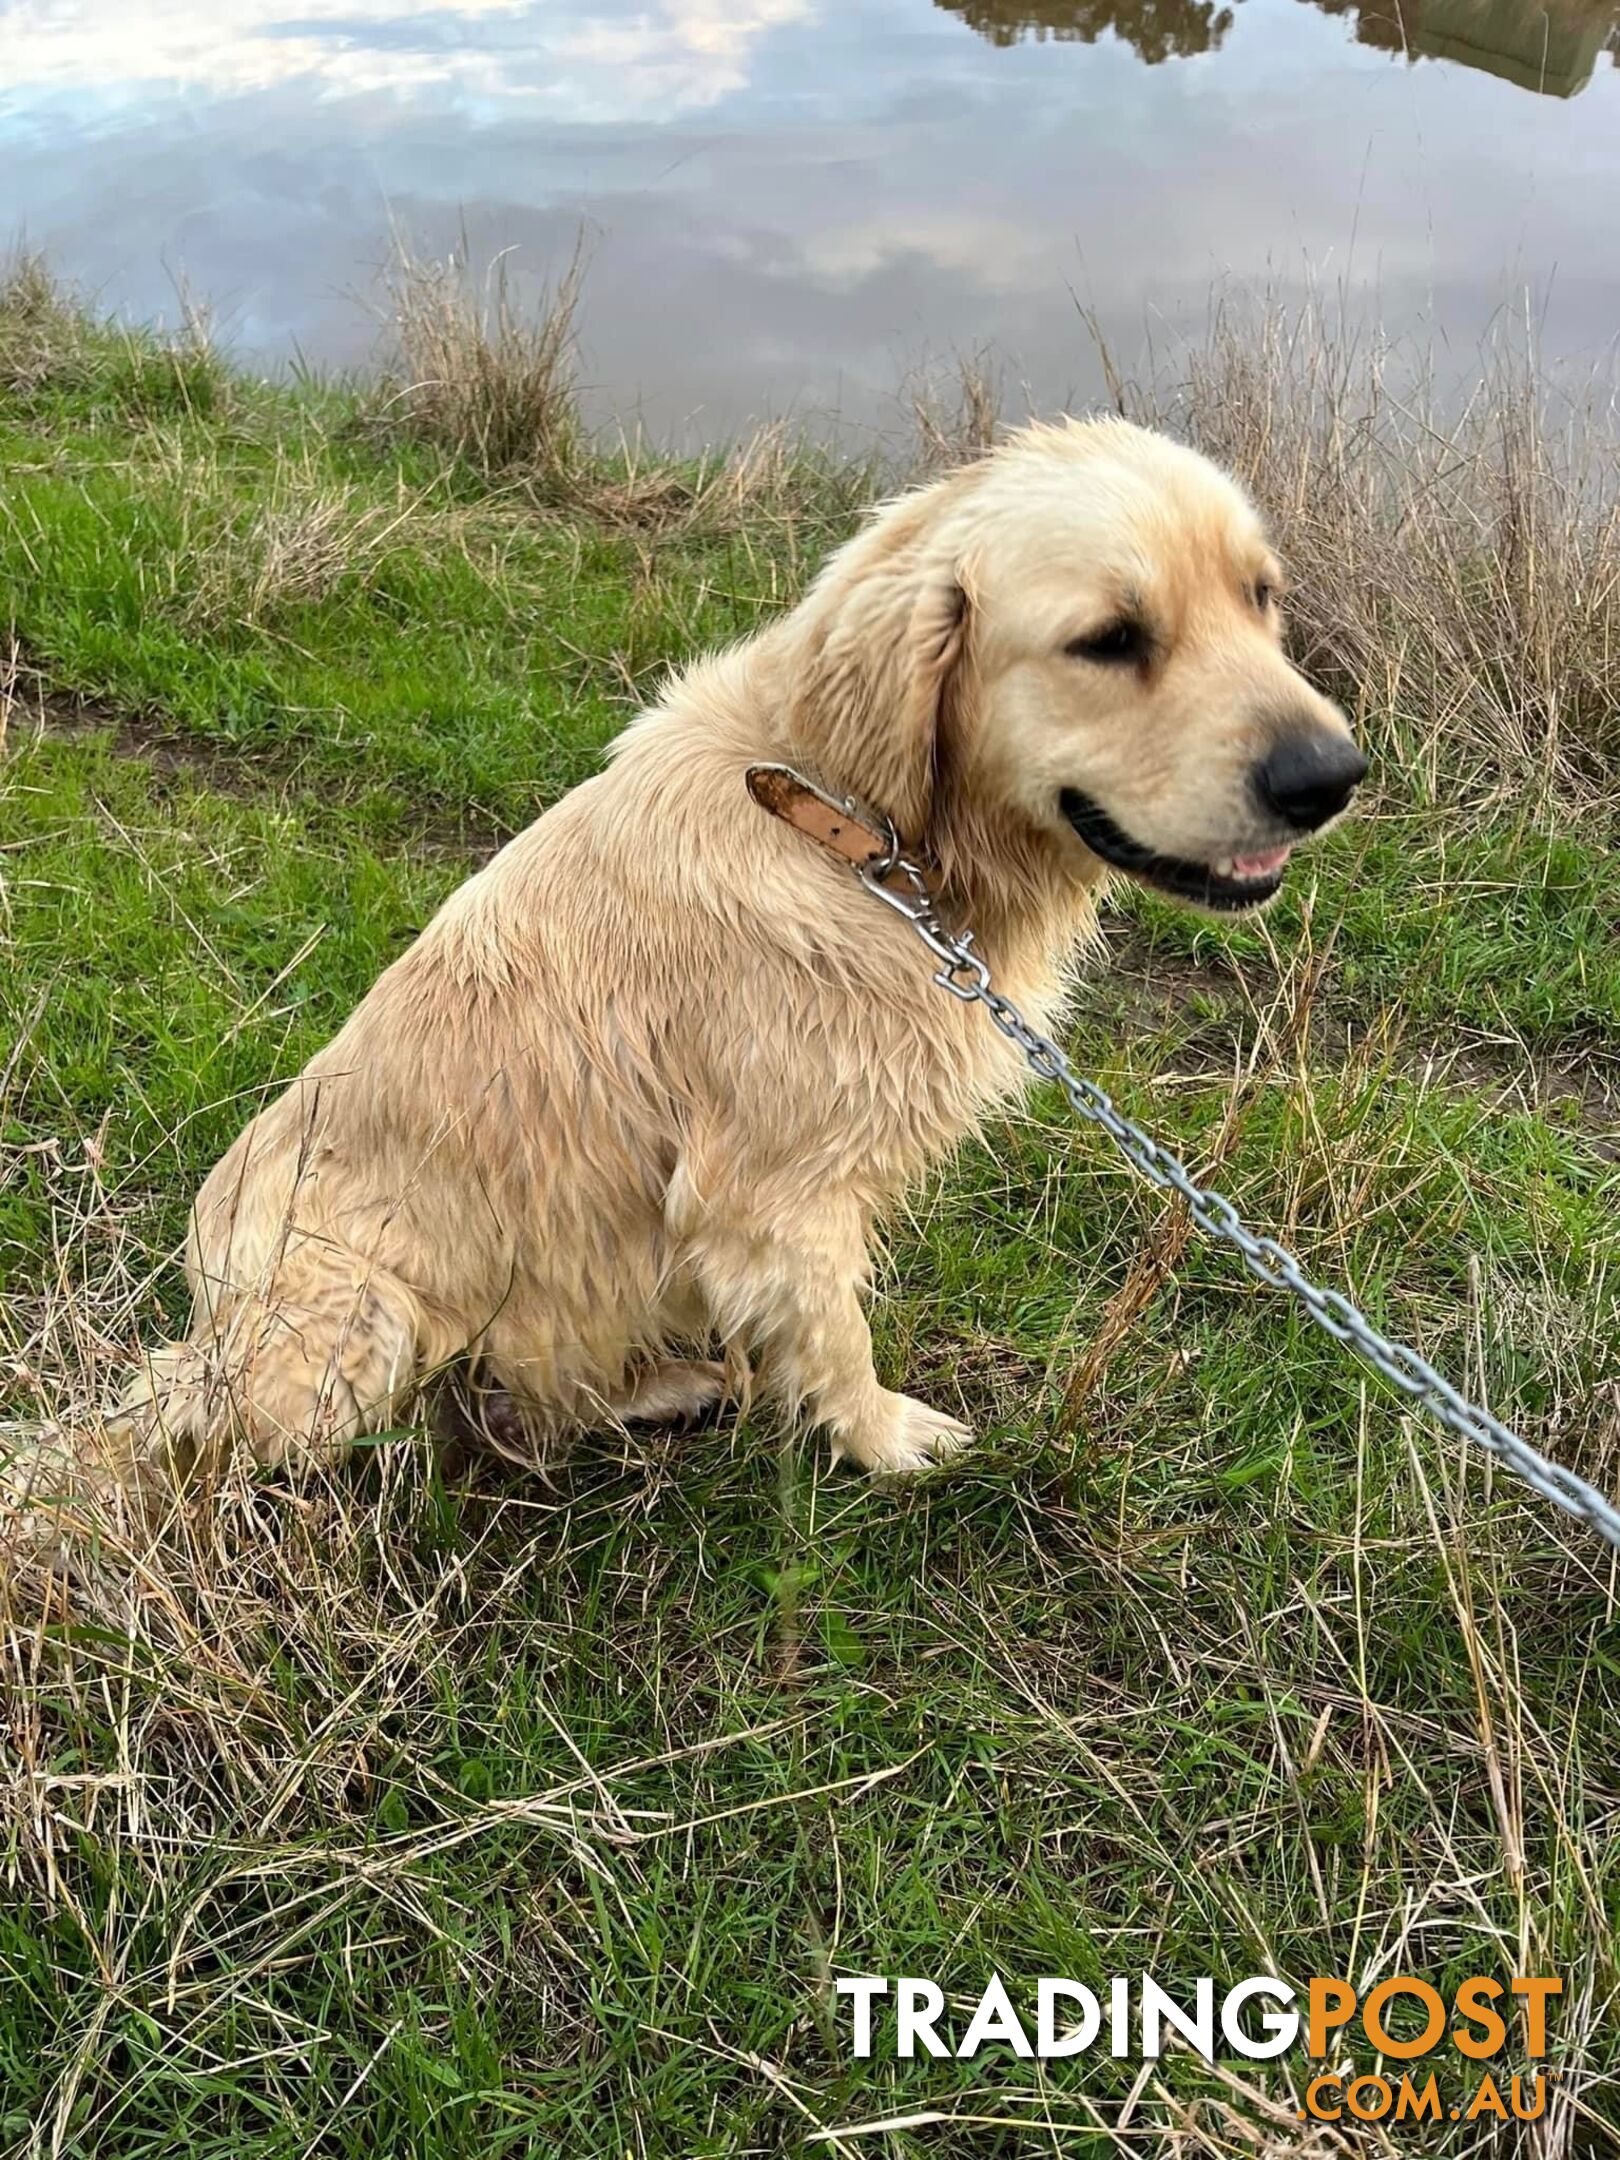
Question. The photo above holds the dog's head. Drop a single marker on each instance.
(1080, 636)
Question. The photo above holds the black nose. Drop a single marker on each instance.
(1309, 778)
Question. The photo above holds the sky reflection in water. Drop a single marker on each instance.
(792, 202)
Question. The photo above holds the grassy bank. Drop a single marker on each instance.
(446, 1813)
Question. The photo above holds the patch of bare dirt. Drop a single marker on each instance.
(29, 710)
(1219, 1010)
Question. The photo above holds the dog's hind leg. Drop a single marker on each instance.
(670, 1391)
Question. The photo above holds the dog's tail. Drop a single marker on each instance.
(62, 1482)
(329, 1350)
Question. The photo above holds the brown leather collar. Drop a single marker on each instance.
(836, 825)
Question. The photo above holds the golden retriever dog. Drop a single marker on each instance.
(611, 1138)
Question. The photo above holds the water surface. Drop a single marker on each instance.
(793, 202)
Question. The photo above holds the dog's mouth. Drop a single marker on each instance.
(1229, 884)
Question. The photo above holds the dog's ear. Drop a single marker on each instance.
(872, 678)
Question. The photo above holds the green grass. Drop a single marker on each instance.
(444, 1812)
(471, 661)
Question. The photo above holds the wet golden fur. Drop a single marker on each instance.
(640, 1091)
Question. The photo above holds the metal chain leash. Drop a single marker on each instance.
(964, 975)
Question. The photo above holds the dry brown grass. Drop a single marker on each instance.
(956, 414)
(310, 540)
(52, 345)
(1454, 550)
(475, 373)
(37, 322)
(489, 379)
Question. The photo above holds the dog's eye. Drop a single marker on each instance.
(1121, 641)
(1264, 596)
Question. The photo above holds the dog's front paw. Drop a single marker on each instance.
(908, 1439)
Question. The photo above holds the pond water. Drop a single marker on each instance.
(791, 203)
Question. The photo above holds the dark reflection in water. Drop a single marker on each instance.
(1154, 29)
(1552, 49)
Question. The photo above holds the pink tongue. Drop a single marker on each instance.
(1260, 865)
